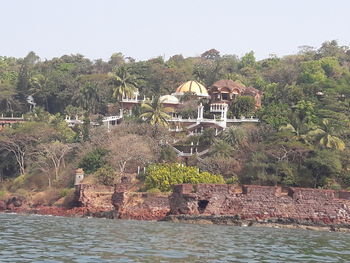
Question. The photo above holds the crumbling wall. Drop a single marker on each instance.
(94, 197)
(140, 206)
(262, 202)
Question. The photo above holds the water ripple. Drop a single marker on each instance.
(58, 239)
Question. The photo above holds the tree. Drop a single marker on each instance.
(105, 175)
(20, 140)
(248, 60)
(312, 71)
(155, 113)
(236, 137)
(130, 149)
(325, 137)
(26, 72)
(54, 153)
(324, 164)
(276, 114)
(88, 98)
(123, 83)
(221, 149)
(243, 106)
(93, 160)
(211, 54)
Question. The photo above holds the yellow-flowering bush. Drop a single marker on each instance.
(163, 176)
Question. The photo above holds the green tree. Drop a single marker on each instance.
(123, 83)
(323, 164)
(248, 60)
(243, 106)
(236, 137)
(93, 160)
(222, 149)
(311, 72)
(88, 98)
(105, 175)
(325, 137)
(155, 113)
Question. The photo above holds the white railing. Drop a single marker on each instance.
(131, 100)
(176, 129)
(11, 118)
(218, 107)
(251, 119)
(111, 118)
(193, 152)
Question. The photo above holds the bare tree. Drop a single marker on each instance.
(18, 145)
(128, 149)
(21, 141)
(54, 154)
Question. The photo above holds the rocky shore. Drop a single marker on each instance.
(248, 205)
(272, 222)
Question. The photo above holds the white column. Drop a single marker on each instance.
(200, 112)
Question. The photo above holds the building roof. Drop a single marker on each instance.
(228, 84)
(192, 86)
(169, 99)
(252, 91)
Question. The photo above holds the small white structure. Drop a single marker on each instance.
(31, 102)
(79, 176)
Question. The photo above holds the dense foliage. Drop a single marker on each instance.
(162, 176)
(303, 139)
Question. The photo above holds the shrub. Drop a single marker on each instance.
(105, 175)
(232, 180)
(153, 191)
(167, 153)
(163, 176)
(4, 195)
(19, 181)
(64, 192)
(93, 160)
(69, 199)
(47, 197)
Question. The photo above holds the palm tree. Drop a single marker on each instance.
(325, 137)
(155, 113)
(124, 84)
(221, 149)
(89, 97)
(235, 136)
(7, 93)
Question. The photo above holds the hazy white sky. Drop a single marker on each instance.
(144, 29)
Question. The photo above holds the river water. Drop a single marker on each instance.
(30, 238)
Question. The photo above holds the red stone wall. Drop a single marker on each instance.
(140, 206)
(95, 197)
(262, 202)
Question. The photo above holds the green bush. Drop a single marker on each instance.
(3, 194)
(105, 175)
(64, 192)
(93, 160)
(232, 180)
(163, 176)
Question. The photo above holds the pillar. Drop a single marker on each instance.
(200, 112)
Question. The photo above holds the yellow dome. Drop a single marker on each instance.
(169, 99)
(192, 86)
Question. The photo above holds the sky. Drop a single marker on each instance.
(145, 29)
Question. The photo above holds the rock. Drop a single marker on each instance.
(140, 206)
(2, 205)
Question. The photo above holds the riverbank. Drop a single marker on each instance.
(227, 220)
(248, 205)
(273, 222)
